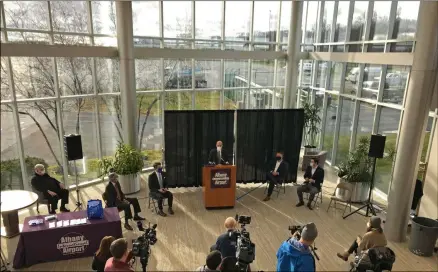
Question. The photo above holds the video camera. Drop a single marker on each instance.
(295, 231)
(245, 249)
(140, 246)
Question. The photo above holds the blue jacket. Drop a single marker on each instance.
(294, 256)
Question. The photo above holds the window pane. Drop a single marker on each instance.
(208, 20)
(265, 20)
(11, 176)
(27, 14)
(365, 121)
(178, 101)
(28, 37)
(281, 72)
(107, 75)
(146, 18)
(70, 16)
(285, 20)
(147, 74)
(347, 114)
(207, 73)
(74, 75)
(33, 77)
(388, 126)
(426, 139)
(150, 130)
(177, 17)
(305, 68)
(329, 128)
(236, 73)
(78, 116)
(351, 78)
(406, 21)
(311, 22)
(262, 73)
(178, 74)
(327, 22)
(104, 17)
(395, 84)
(207, 100)
(380, 20)
(234, 99)
(110, 119)
(237, 20)
(5, 93)
(321, 74)
(358, 25)
(371, 79)
(335, 76)
(40, 135)
(341, 21)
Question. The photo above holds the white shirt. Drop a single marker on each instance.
(277, 165)
(160, 179)
(313, 170)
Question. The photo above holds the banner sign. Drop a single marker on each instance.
(220, 178)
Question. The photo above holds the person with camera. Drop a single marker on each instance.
(225, 242)
(314, 177)
(374, 237)
(102, 254)
(121, 256)
(212, 262)
(295, 254)
(157, 182)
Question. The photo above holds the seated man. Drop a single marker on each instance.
(121, 256)
(212, 262)
(116, 198)
(314, 177)
(226, 244)
(52, 189)
(277, 172)
(158, 188)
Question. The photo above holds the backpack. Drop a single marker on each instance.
(375, 259)
(94, 209)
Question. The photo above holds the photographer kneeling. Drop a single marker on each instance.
(296, 255)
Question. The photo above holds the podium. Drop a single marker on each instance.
(219, 186)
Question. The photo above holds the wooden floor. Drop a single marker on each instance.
(184, 239)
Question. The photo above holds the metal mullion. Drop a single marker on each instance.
(354, 125)
(323, 120)
(368, 22)
(222, 64)
(277, 48)
(334, 20)
(193, 60)
(330, 66)
(163, 93)
(250, 48)
(376, 120)
(343, 71)
(360, 80)
(320, 21)
(337, 129)
(303, 38)
(349, 21)
(383, 72)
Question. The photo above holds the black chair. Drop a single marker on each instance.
(280, 185)
(41, 200)
(153, 200)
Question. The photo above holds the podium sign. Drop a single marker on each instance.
(219, 186)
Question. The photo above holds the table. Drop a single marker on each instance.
(11, 202)
(38, 244)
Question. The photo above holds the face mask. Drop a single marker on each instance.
(159, 169)
(278, 158)
(219, 148)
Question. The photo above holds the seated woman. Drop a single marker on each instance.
(374, 237)
(102, 254)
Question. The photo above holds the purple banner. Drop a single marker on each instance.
(220, 178)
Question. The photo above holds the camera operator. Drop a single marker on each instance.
(120, 259)
(212, 262)
(296, 255)
(224, 244)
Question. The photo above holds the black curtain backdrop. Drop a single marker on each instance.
(260, 134)
(189, 136)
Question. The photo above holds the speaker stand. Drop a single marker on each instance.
(368, 204)
(78, 202)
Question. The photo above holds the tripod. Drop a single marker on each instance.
(4, 262)
(78, 202)
(368, 203)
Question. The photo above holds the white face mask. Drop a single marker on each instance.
(219, 148)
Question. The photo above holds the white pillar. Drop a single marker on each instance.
(125, 42)
(418, 101)
(293, 49)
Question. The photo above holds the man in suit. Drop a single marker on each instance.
(277, 173)
(158, 188)
(52, 189)
(116, 198)
(314, 177)
(218, 155)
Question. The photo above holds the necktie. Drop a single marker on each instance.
(160, 180)
(219, 156)
(119, 195)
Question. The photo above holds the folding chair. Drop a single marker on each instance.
(282, 184)
(347, 189)
(154, 201)
(318, 196)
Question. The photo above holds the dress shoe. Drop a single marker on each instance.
(343, 256)
(299, 204)
(267, 198)
(309, 206)
(52, 212)
(161, 213)
(127, 226)
(170, 211)
(138, 218)
(64, 209)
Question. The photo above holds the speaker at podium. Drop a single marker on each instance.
(219, 186)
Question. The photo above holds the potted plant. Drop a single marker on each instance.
(311, 127)
(127, 163)
(356, 169)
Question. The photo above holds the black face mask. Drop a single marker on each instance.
(278, 158)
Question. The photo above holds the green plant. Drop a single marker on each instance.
(127, 161)
(311, 123)
(357, 167)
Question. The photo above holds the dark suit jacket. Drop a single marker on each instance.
(153, 183)
(318, 176)
(111, 194)
(282, 169)
(44, 183)
(212, 157)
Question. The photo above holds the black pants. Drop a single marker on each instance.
(273, 180)
(127, 207)
(60, 194)
(307, 188)
(353, 247)
(160, 196)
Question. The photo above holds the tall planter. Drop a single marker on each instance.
(359, 194)
(130, 184)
